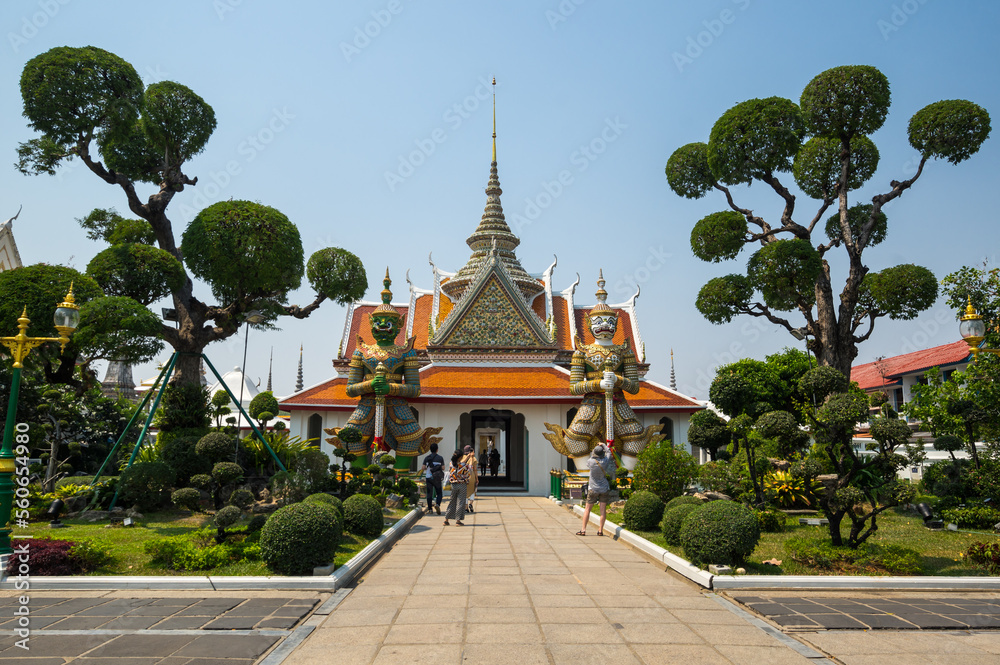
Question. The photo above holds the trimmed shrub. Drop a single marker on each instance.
(868, 558)
(670, 525)
(328, 499)
(642, 512)
(256, 523)
(181, 553)
(227, 517)
(363, 515)
(216, 447)
(145, 484)
(720, 532)
(201, 481)
(188, 498)
(241, 498)
(299, 537)
(226, 473)
(683, 500)
(62, 557)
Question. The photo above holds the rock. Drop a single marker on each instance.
(741, 571)
(134, 514)
(712, 496)
(117, 510)
(780, 464)
(95, 515)
(616, 505)
(265, 495)
(393, 501)
(996, 527)
(263, 508)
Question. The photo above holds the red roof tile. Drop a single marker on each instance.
(889, 370)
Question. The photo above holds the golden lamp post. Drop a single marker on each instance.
(67, 318)
(973, 331)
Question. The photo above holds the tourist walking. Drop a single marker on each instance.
(463, 470)
(433, 476)
(598, 489)
(494, 462)
(483, 461)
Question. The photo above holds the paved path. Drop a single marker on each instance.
(516, 586)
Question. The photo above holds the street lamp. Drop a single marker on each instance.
(973, 331)
(66, 319)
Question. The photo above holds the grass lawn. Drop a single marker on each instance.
(939, 550)
(129, 558)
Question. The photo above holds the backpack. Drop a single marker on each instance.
(460, 474)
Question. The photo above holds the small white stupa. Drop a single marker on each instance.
(234, 379)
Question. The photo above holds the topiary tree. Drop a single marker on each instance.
(683, 501)
(723, 532)
(225, 518)
(709, 432)
(241, 498)
(215, 447)
(145, 484)
(263, 407)
(297, 538)
(363, 515)
(179, 452)
(187, 497)
(823, 142)
(642, 512)
(89, 104)
(673, 517)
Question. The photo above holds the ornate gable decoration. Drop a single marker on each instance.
(493, 314)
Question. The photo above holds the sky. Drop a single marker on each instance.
(369, 125)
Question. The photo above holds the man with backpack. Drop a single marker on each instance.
(433, 469)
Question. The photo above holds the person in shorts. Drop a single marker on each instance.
(598, 489)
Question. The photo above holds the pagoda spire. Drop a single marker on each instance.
(673, 377)
(298, 381)
(270, 366)
(493, 230)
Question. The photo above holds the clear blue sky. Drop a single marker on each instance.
(313, 113)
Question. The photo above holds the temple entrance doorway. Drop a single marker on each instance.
(499, 434)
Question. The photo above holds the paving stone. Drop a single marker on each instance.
(593, 654)
(129, 646)
(277, 623)
(680, 654)
(130, 623)
(181, 623)
(882, 621)
(234, 646)
(55, 645)
(755, 655)
(837, 621)
(789, 620)
(232, 623)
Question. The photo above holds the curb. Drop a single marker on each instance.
(793, 582)
(341, 577)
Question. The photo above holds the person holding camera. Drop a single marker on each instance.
(598, 489)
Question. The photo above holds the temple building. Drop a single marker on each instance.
(494, 344)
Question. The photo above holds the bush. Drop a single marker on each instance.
(720, 532)
(183, 407)
(770, 520)
(179, 452)
(145, 484)
(972, 517)
(664, 470)
(188, 498)
(216, 447)
(328, 499)
(241, 498)
(682, 500)
(256, 523)
(201, 481)
(61, 557)
(181, 553)
(88, 555)
(869, 557)
(228, 516)
(985, 556)
(289, 486)
(299, 537)
(363, 515)
(670, 525)
(227, 473)
(642, 512)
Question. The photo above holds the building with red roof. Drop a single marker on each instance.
(896, 375)
(495, 344)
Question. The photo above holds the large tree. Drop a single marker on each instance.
(91, 105)
(823, 141)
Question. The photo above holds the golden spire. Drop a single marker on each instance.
(494, 119)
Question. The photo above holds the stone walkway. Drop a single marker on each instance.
(516, 586)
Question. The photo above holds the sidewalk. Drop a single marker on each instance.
(515, 585)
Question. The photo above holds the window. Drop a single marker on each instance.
(314, 429)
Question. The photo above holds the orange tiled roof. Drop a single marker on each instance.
(538, 306)
(422, 315)
(890, 371)
(559, 307)
(498, 383)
